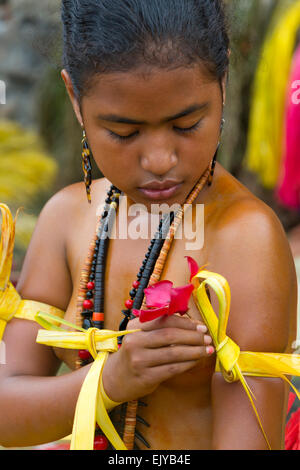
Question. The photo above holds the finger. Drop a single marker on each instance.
(171, 355)
(167, 371)
(173, 321)
(173, 336)
(134, 324)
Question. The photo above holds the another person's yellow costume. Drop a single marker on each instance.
(231, 362)
(266, 129)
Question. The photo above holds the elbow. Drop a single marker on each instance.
(9, 418)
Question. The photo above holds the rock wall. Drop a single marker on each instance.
(30, 33)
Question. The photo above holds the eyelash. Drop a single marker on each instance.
(187, 130)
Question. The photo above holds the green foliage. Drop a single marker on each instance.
(26, 171)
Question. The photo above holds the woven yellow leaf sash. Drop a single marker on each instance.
(11, 304)
(90, 405)
(231, 362)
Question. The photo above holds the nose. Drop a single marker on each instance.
(159, 157)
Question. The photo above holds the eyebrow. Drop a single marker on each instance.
(124, 120)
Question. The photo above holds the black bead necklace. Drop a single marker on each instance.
(93, 304)
(94, 289)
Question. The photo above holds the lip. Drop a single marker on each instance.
(160, 193)
(156, 185)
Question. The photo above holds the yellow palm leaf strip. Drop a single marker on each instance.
(11, 304)
(216, 326)
(92, 339)
(247, 388)
(9, 297)
(228, 353)
(130, 419)
(99, 343)
(86, 416)
(221, 287)
(105, 424)
(6, 245)
(83, 435)
(271, 365)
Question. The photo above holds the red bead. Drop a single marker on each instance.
(90, 285)
(84, 354)
(88, 304)
(129, 303)
(100, 443)
(135, 284)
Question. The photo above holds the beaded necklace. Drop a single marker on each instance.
(90, 301)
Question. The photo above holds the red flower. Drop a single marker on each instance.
(292, 431)
(164, 299)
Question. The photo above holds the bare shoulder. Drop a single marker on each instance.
(72, 198)
(251, 250)
(243, 214)
(45, 275)
(70, 205)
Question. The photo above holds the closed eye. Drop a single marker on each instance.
(183, 130)
(187, 130)
(122, 137)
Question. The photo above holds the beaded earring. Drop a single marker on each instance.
(86, 166)
(214, 160)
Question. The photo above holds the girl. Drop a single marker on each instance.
(147, 81)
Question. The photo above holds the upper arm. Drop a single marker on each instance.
(253, 254)
(44, 278)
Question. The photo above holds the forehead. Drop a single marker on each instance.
(142, 93)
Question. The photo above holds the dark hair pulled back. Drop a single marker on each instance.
(101, 36)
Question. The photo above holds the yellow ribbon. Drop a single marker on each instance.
(11, 304)
(231, 362)
(90, 405)
(266, 128)
(9, 298)
(6, 245)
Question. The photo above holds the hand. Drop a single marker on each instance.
(165, 347)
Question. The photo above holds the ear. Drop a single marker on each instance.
(69, 87)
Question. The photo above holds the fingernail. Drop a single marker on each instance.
(210, 350)
(207, 339)
(202, 328)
